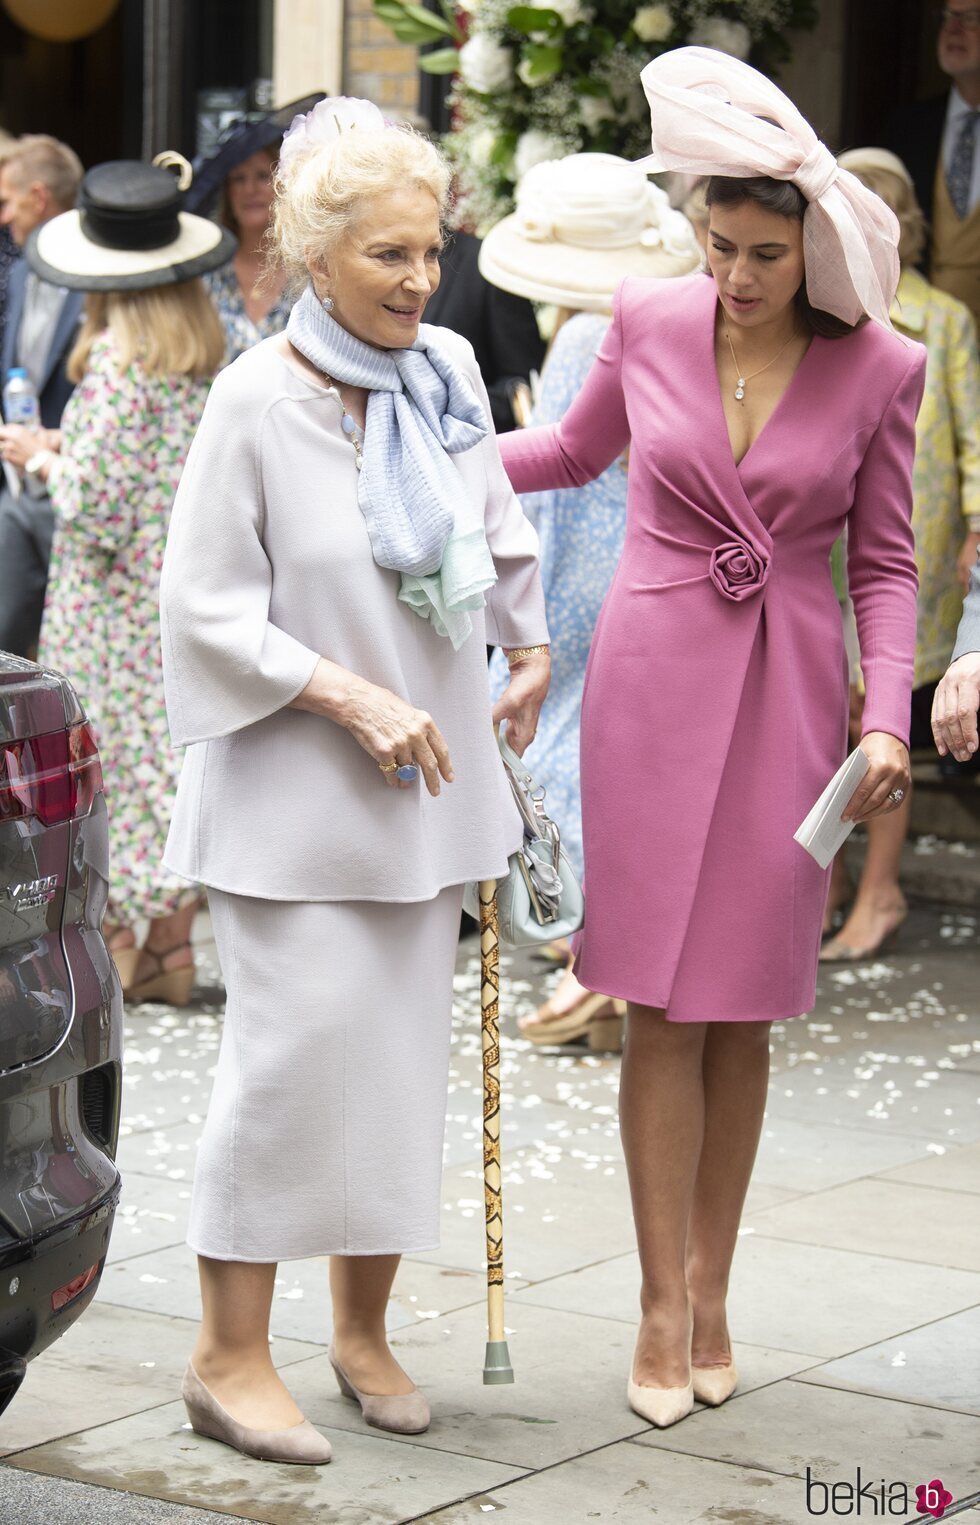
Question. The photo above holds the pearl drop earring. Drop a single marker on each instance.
(327, 304)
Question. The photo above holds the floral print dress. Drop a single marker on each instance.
(125, 438)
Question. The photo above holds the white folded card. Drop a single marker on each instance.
(823, 831)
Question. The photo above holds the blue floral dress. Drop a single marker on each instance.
(582, 532)
(240, 332)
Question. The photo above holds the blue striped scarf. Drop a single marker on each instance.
(421, 410)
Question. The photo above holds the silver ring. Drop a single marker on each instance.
(897, 796)
(408, 773)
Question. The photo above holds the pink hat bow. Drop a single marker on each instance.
(706, 115)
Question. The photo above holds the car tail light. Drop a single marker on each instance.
(73, 1288)
(54, 777)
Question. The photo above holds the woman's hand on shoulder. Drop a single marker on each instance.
(520, 703)
(889, 772)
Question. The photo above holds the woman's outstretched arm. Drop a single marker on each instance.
(593, 433)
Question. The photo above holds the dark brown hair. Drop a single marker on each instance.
(784, 199)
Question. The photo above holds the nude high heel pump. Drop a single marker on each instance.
(661, 1406)
(402, 1413)
(301, 1444)
(713, 1384)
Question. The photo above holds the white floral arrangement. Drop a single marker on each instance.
(538, 79)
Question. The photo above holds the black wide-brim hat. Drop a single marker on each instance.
(240, 141)
(128, 233)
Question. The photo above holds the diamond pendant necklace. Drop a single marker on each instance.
(740, 385)
(346, 421)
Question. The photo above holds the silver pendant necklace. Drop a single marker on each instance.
(347, 422)
(741, 381)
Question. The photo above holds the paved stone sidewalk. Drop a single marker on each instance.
(855, 1303)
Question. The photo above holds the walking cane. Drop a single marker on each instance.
(496, 1365)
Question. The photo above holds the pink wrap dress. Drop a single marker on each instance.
(715, 703)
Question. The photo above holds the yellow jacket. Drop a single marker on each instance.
(946, 477)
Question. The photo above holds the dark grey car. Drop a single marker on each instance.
(60, 1018)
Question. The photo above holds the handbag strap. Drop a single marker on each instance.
(530, 798)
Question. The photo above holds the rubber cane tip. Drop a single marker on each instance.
(497, 1369)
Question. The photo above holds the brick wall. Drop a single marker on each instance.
(377, 67)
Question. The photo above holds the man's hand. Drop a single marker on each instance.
(954, 709)
(19, 444)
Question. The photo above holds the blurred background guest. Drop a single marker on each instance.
(38, 180)
(582, 224)
(946, 522)
(695, 209)
(8, 249)
(149, 345)
(235, 184)
(939, 140)
(501, 326)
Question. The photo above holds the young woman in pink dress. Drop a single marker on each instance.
(766, 402)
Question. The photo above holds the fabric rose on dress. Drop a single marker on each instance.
(737, 571)
(731, 37)
(485, 65)
(653, 23)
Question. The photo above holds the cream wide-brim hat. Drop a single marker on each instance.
(858, 159)
(582, 224)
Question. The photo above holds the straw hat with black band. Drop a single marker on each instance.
(581, 225)
(239, 142)
(128, 231)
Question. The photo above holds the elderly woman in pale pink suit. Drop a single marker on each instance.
(763, 410)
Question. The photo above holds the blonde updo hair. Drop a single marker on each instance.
(885, 174)
(320, 194)
(899, 195)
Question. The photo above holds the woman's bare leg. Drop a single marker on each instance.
(360, 1286)
(232, 1356)
(879, 906)
(661, 1113)
(841, 889)
(736, 1081)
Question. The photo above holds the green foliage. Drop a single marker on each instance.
(542, 81)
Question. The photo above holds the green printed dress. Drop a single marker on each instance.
(125, 437)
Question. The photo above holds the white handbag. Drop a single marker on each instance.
(541, 899)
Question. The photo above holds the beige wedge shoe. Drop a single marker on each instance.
(402, 1413)
(301, 1444)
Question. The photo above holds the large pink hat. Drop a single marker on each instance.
(705, 113)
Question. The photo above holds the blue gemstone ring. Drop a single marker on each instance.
(408, 773)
